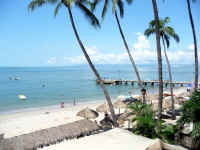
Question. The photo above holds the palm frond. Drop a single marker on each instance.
(36, 3)
(166, 20)
(152, 24)
(52, 1)
(176, 38)
(39, 3)
(92, 18)
(129, 1)
(165, 31)
(170, 31)
(57, 8)
(121, 7)
(166, 39)
(149, 32)
(104, 9)
(93, 4)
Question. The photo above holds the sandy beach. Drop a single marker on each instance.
(45, 117)
(14, 124)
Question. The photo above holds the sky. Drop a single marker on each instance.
(39, 39)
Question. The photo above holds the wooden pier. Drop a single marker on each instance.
(145, 82)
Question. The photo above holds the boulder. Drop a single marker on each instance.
(155, 146)
(159, 145)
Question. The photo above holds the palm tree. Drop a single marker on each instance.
(94, 22)
(195, 44)
(159, 57)
(165, 33)
(120, 4)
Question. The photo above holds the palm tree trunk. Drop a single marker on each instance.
(128, 51)
(195, 46)
(170, 80)
(159, 57)
(93, 68)
(129, 54)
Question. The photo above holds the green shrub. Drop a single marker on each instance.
(190, 113)
(167, 133)
(145, 123)
(148, 126)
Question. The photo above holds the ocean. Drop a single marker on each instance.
(46, 86)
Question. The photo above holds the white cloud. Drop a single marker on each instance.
(191, 47)
(142, 42)
(141, 52)
(51, 60)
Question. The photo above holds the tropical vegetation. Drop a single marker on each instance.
(145, 118)
(147, 124)
(191, 114)
(166, 32)
(81, 4)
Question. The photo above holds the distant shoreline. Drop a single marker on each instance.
(49, 107)
(70, 104)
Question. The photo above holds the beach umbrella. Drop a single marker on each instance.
(102, 108)
(119, 104)
(88, 113)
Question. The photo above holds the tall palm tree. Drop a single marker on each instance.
(94, 22)
(195, 44)
(119, 4)
(159, 57)
(165, 33)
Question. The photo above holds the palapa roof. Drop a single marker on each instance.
(102, 108)
(88, 113)
(49, 136)
(119, 104)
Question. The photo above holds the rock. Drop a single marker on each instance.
(155, 146)
(159, 145)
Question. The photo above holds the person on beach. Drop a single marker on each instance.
(62, 105)
(107, 119)
(189, 87)
(107, 122)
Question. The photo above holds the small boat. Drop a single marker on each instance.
(22, 97)
(10, 78)
(17, 78)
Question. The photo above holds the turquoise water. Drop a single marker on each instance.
(72, 82)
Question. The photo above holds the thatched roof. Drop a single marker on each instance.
(102, 108)
(49, 136)
(119, 104)
(88, 113)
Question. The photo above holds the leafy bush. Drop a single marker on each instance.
(137, 107)
(145, 123)
(148, 126)
(167, 133)
(190, 113)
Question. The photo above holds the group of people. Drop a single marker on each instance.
(190, 87)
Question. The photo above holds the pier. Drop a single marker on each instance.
(145, 82)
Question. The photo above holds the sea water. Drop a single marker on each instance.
(44, 86)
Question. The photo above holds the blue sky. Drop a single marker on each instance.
(39, 39)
